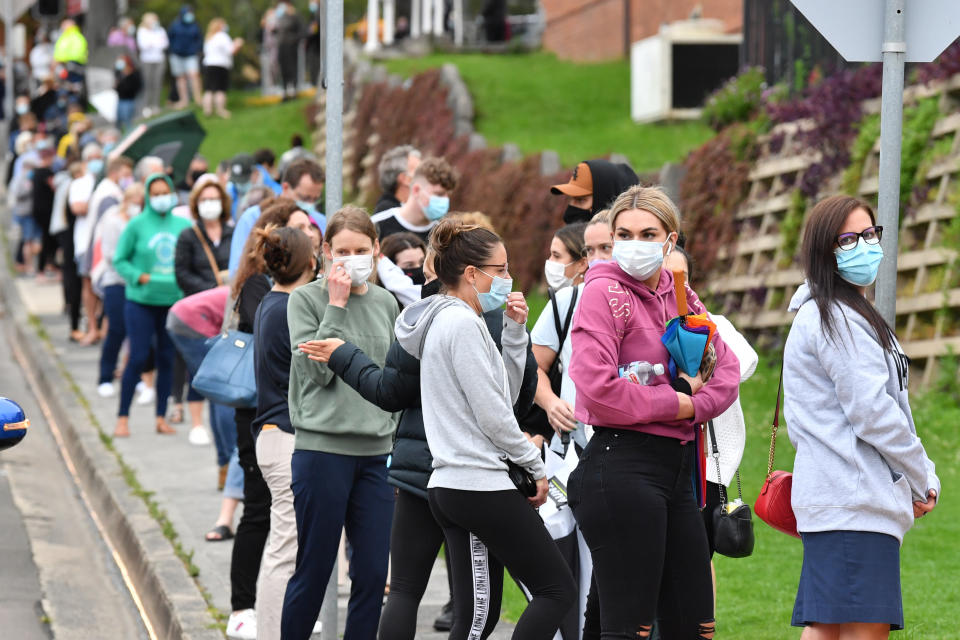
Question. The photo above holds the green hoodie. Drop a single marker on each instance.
(147, 245)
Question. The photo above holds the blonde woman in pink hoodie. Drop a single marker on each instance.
(632, 493)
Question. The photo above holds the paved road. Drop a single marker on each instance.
(57, 577)
(182, 476)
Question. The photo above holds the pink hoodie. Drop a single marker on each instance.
(619, 321)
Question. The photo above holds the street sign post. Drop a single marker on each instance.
(894, 32)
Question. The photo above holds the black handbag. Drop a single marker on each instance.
(732, 522)
(535, 421)
(522, 479)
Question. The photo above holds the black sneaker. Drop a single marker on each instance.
(444, 621)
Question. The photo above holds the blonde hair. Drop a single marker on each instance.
(600, 217)
(651, 199)
(133, 191)
(476, 218)
(216, 26)
(149, 20)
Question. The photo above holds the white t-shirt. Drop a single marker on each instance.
(81, 189)
(152, 44)
(545, 334)
(218, 51)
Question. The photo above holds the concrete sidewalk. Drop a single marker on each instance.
(182, 477)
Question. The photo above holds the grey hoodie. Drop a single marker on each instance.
(859, 464)
(468, 391)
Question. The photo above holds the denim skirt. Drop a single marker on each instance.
(849, 576)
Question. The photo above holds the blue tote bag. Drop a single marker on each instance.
(226, 375)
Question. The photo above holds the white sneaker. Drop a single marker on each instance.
(242, 625)
(147, 395)
(317, 627)
(199, 436)
(106, 390)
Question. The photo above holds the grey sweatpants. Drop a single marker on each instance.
(152, 84)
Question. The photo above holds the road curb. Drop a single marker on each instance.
(169, 596)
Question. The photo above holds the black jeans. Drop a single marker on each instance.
(485, 531)
(632, 495)
(254, 524)
(415, 540)
(70, 278)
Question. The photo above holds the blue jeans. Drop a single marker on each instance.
(331, 491)
(147, 326)
(113, 303)
(193, 348)
(126, 109)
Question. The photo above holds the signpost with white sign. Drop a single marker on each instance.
(894, 32)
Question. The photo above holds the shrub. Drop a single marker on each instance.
(738, 100)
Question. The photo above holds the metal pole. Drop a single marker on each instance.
(891, 129)
(8, 22)
(333, 81)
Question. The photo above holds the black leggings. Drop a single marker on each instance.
(632, 495)
(504, 523)
(415, 539)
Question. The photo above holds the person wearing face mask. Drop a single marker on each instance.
(407, 251)
(339, 465)
(861, 474)
(303, 183)
(186, 43)
(429, 200)
(594, 186)
(218, 52)
(289, 31)
(198, 168)
(202, 253)
(144, 258)
(152, 42)
(129, 85)
(636, 473)
(395, 171)
(108, 281)
(597, 239)
(473, 434)
(314, 38)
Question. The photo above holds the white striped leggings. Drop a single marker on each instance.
(485, 531)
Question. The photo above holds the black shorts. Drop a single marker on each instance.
(216, 78)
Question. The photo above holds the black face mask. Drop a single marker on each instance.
(195, 175)
(316, 268)
(416, 275)
(572, 215)
(430, 289)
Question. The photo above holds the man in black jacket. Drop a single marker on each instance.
(396, 172)
(593, 187)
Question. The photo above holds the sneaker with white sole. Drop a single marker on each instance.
(242, 625)
(317, 627)
(106, 390)
(147, 396)
(199, 436)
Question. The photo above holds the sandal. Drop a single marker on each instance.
(176, 416)
(219, 533)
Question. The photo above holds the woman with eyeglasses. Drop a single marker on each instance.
(473, 435)
(861, 474)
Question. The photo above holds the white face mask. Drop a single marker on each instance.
(639, 259)
(358, 267)
(209, 209)
(133, 210)
(556, 274)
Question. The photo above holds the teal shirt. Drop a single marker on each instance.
(148, 245)
(326, 413)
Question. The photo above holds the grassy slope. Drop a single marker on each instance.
(755, 595)
(578, 110)
(253, 127)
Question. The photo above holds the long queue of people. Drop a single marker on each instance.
(401, 400)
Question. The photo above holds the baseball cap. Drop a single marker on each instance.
(581, 183)
(241, 168)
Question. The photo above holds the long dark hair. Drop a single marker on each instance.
(820, 267)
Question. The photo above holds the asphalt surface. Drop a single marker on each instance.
(58, 578)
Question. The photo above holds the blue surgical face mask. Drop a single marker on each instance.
(95, 166)
(120, 65)
(497, 296)
(859, 265)
(188, 17)
(437, 207)
(162, 204)
(308, 207)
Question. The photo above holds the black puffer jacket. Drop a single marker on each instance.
(396, 387)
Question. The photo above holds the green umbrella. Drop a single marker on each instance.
(174, 137)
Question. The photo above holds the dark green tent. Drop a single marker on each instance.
(174, 137)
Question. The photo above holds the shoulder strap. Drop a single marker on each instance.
(563, 331)
(206, 250)
(776, 423)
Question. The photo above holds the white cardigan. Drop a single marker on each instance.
(729, 426)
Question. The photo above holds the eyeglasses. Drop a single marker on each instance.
(501, 269)
(870, 235)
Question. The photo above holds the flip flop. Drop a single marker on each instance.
(219, 533)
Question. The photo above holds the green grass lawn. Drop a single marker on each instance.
(755, 595)
(253, 127)
(581, 111)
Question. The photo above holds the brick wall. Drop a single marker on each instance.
(590, 30)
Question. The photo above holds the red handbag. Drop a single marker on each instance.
(773, 504)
